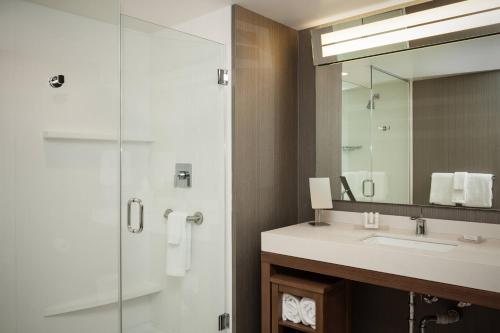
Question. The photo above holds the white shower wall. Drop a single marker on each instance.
(60, 198)
(60, 174)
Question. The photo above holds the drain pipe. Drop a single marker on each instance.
(450, 317)
(426, 320)
(411, 317)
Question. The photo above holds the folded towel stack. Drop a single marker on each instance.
(298, 310)
(467, 189)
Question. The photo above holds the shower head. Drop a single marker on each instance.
(371, 102)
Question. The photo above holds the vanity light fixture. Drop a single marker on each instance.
(345, 73)
(464, 15)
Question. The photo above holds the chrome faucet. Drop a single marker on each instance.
(419, 225)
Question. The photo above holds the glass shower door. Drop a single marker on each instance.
(390, 128)
(173, 274)
(356, 138)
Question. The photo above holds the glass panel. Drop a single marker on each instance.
(59, 166)
(390, 138)
(172, 113)
(356, 134)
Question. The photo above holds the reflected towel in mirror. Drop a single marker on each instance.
(458, 195)
(479, 190)
(441, 189)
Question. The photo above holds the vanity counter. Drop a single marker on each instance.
(467, 264)
(463, 271)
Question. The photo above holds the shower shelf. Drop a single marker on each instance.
(97, 300)
(83, 136)
(351, 148)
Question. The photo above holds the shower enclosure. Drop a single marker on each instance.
(127, 101)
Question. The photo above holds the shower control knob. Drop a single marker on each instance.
(384, 128)
(56, 81)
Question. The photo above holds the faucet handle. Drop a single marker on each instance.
(420, 227)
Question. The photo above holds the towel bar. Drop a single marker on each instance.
(492, 177)
(197, 218)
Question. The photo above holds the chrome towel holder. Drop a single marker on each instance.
(197, 218)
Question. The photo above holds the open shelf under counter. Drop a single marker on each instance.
(54, 135)
(298, 327)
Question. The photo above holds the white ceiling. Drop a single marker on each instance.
(301, 14)
(298, 14)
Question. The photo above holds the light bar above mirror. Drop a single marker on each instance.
(378, 34)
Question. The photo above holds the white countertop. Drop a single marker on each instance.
(468, 264)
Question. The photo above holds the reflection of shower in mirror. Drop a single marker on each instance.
(371, 102)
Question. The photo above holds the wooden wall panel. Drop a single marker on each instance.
(306, 125)
(265, 175)
(329, 125)
(456, 122)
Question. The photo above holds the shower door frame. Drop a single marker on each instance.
(223, 107)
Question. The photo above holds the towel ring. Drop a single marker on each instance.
(197, 218)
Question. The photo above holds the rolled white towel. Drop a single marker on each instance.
(291, 308)
(308, 312)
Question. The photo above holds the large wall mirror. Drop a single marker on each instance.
(420, 126)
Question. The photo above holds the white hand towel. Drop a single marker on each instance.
(178, 258)
(459, 180)
(441, 189)
(175, 227)
(308, 312)
(291, 308)
(458, 195)
(478, 190)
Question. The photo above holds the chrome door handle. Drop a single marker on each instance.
(141, 216)
(372, 194)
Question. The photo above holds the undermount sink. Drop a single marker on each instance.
(409, 243)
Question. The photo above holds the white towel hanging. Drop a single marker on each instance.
(178, 257)
(479, 190)
(441, 189)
